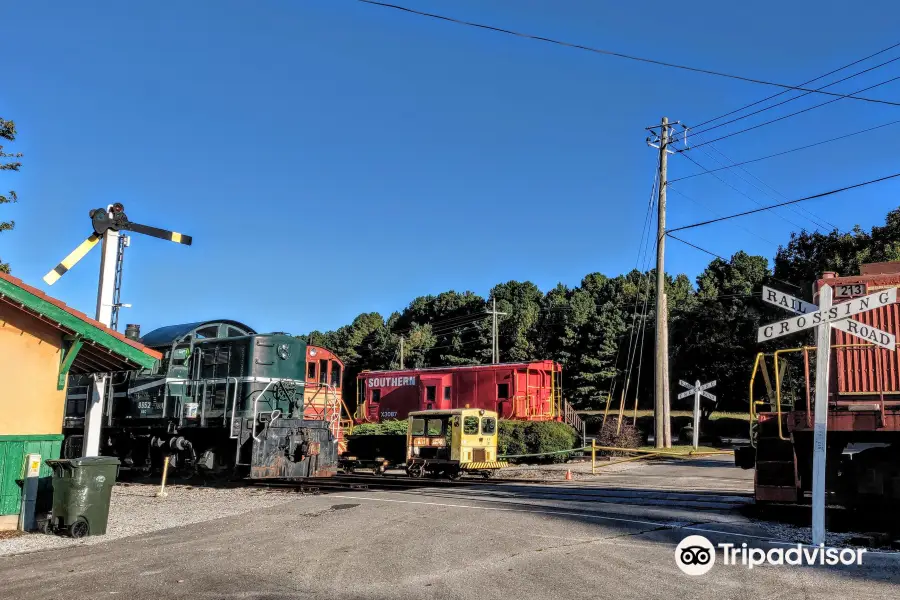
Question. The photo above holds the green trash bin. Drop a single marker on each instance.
(81, 491)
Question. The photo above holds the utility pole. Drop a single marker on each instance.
(662, 427)
(495, 343)
(401, 352)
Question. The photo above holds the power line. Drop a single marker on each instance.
(752, 104)
(619, 54)
(756, 112)
(818, 221)
(764, 208)
(761, 158)
(746, 195)
(696, 247)
(793, 114)
(718, 214)
(756, 202)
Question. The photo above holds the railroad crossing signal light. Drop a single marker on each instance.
(103, 220)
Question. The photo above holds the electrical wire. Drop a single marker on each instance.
(783, 102)
(741, 192)
(798, 210)
(618, 54)
(793, 114)
(718, 214)
(764, 208)
(761, 158)
(696, 247)
(752, 104)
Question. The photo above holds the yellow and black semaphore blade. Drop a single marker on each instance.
(163, 234)
(73, 257)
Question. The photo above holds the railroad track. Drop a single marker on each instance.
(517, 490)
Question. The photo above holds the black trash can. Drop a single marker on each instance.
(81, 492)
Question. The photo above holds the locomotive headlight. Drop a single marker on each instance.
(415, 451)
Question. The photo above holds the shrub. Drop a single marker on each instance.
(524, 437)
(627, 437)
(384, 428)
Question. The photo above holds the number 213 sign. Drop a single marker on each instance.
(850, 291)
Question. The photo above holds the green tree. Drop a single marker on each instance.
(8, 133)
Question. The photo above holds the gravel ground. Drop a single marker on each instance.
(581, 471)
(135, 510)
(803, 535)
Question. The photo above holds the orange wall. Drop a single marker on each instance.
(29, 368)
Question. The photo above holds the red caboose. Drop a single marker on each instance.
(526, 391)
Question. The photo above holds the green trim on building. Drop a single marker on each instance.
(57, 437)
(87, 331)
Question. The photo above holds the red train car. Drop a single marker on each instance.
(525, 391)
(863, 442)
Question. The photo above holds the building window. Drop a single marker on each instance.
(311, 371)
(446, 392)
(503, 390)
(323, 371)
(376, 396)
(335, 374)
(430, 393)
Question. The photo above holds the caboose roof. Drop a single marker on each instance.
(454, 368)
(103, 350)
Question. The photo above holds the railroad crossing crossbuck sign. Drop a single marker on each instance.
(824, 317)
(838, 315)
(697, 390)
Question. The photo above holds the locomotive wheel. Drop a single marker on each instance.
(416, 471)
(454, 475)
(79, 528)
(489, 473)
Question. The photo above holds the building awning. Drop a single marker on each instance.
(97, 348)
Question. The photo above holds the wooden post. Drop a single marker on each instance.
(593, 457)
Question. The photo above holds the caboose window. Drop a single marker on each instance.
(311, 371)
(430, 393)
(488, 425)
(446, 392)
(323, 371)
(503, 390)
(418, 427)
(335, 374)
(376, 396)
(470, 425)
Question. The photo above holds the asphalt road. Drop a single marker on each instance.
(499, 542)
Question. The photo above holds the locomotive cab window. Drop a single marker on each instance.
(435, 426)
(207, 332)
(418, 427)
(470, 425)
(503, 390)
(335, 374)
(376, 396)
(488, 425)
(323, 371)
(311, 371)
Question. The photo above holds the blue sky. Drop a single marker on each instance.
(332, 158)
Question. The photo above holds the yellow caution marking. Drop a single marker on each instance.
(69, 261)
